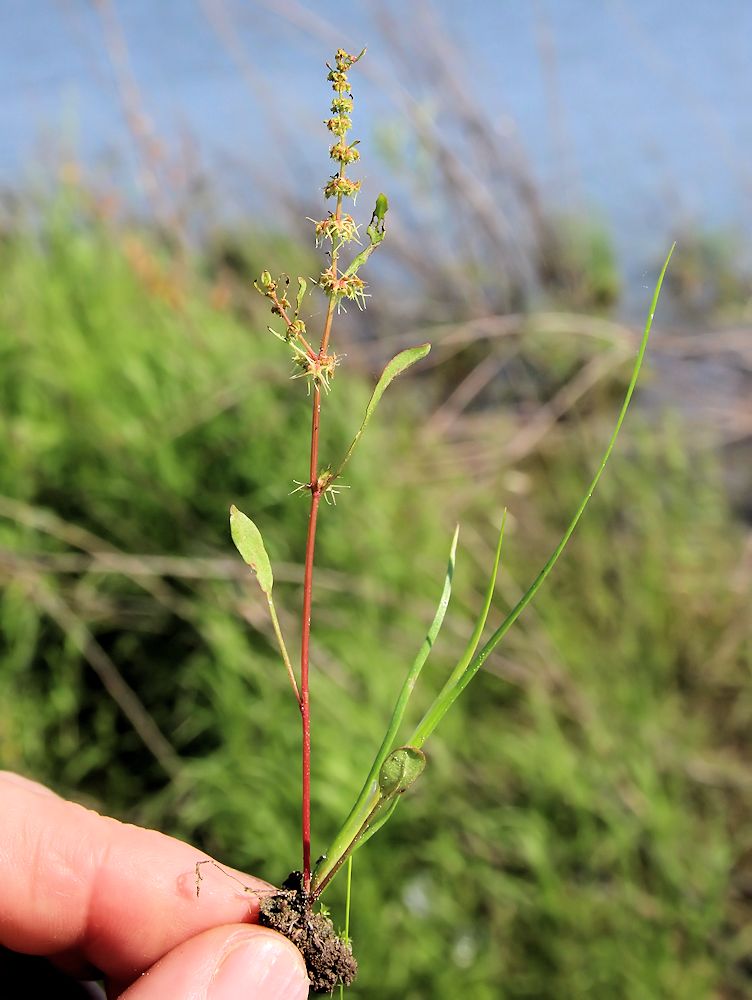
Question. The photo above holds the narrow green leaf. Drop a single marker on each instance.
(381, 816)
(348, 900)
(411, 678)
(442, 704)
(376, 236)
(369, 799)
(436, 708)
(250, 545)
(396, 366)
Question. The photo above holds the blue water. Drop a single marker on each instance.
(634, 108)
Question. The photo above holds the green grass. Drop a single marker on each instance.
(583, 814)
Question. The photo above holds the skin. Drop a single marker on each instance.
(103, 899)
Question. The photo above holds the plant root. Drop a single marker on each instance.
(328, 957)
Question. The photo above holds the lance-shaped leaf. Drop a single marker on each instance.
(399, 363)
(250, 545)
(375, 238)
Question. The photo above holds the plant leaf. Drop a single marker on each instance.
(381, 816)
(361, 822)
(411, 678)
(447, 697)
(399, 363)
(250, 545)
(427, 723)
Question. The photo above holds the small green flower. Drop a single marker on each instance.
(340, 83)
(343, 286)
(343, 153)
(318, 370)
(344, 60)
(339, 125)
(353, 287)
(342, 105)
(343, 186)
(339, 231)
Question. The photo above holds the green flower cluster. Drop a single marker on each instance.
(339, 185)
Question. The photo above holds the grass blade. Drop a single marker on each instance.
(450, 695)
(369, 794)
(427, 724)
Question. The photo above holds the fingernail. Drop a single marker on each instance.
(265, 967)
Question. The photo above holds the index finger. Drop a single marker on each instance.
(115, 895)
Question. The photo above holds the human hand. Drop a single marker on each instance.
(101, 898)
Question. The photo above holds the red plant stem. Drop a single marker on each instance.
(305, 642)
(305, 708)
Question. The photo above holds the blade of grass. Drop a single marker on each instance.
(377, 821)
(450, 693)
(348, 899)
(482, 618)
(369, 794)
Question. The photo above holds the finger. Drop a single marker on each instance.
(225, 963)
(10, 778)
(91, 889)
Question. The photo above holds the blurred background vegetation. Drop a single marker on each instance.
(584, 826)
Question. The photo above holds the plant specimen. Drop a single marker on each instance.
(398, 762)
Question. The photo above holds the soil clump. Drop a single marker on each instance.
(328, 958)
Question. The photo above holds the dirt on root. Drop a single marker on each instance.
(328, 957)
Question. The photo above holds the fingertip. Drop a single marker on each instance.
(265, 966)
(224, 963)
(18, 781)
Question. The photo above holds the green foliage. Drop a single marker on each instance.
(588, 805)
(362, 821)
(374, 805)
(250, 545)
(400, 363)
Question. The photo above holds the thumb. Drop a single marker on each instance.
(225, 963)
